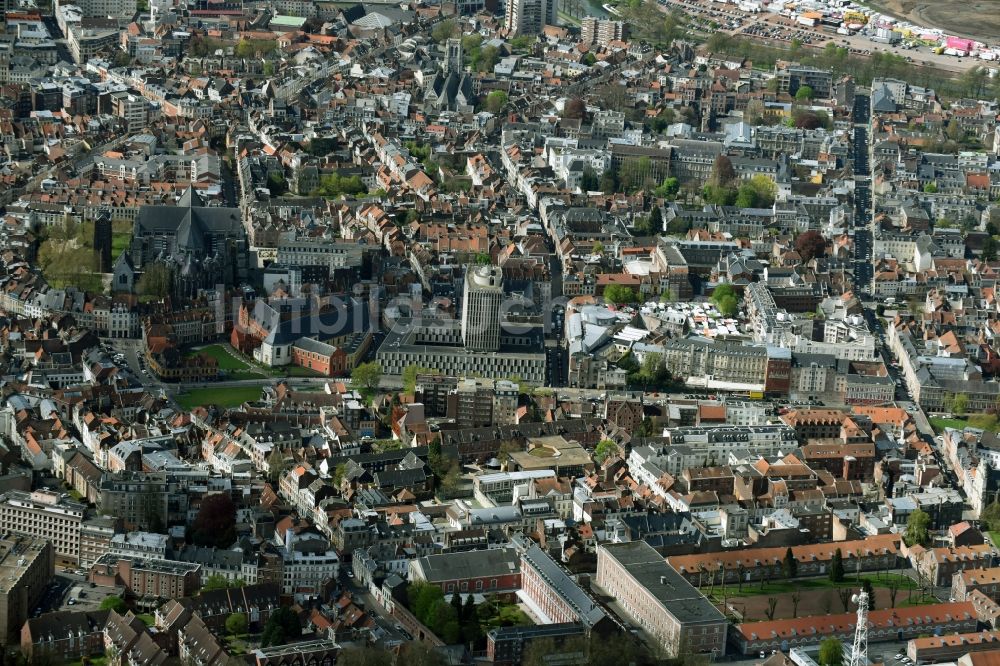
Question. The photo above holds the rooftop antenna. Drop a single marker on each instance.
(859, 655)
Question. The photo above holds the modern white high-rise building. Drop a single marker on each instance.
(528, 17)
(481, 301)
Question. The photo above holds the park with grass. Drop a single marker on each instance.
(235, 366)
(67, 256)
(225, 397)
(988, 422)
(782, 599)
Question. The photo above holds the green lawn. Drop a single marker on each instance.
(754, 589)
(91, 661)
(982, 421)
(119, 241)
(147, 619)
(223, 397)
(226, 360)
(995, 537)
(542, 452)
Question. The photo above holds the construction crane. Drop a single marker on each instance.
(859, 655)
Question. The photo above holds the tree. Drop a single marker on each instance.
(931, 188)
(574, 109)
(619, 294)
(893, 585)
(589, 182)
(485, 59)
(364, 656)
(725, 299)
(796, 598)
(989, 249)
(444, 30)
(790, 565)
(728, 305)
(804, 93)
(282, 625)
(367, 375)
(410, 373)
(275, 464)
(723, 172)
(419, 653)
(954, 131)
(844, 593)
(961, 401)
(220, 582)
(866, 587)
(837, 566)
(772, 604)
(991, 516)
(215, 523)
(656, 220)
(810, 244)
(598, 248)
(155, 281)
(604, 448)
(117, 604)
(334, 185)
(236, 624)
(589, 59)
(831, 652)
(495, 101)
(918, 528)
(668, 189)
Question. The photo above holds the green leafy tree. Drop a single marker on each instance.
(619, 294)
(918, 528)
(604, 448)
(155, 281)
(836, 573)
(728, 306)
(410, 373)
(334, 185)
(804, 93)
(485, 59)
(668, 189)
(283, 625)
(725, 298)
(367, 376)
(831, 652)
(931, 188)
(961, 402)
(655, 221)
(444, 30)
(236, 624)
(220, 582)
(495, 101)
(989, 249)
(991, 516)
(790, 565)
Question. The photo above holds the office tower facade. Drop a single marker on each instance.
(529, 17)
(482, 298)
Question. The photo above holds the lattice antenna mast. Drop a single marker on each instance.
(859, 655)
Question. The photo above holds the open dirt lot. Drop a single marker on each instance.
(979, 19)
